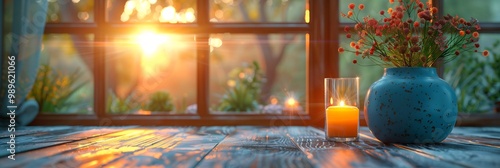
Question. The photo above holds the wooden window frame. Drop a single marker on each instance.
(319, 29)
(324, 30)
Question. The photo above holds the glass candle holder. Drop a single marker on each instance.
(341, 108)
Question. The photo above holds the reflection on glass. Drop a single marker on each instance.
(149, 73)
(64, 81)
(257, 73)
(295, 11)
(70, 11)
(172, 11)
(483, 11)
(365, 69)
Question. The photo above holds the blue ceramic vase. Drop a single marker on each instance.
(410, 105)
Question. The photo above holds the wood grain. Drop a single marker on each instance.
(39, 138)
(241, 146)
(256, 147)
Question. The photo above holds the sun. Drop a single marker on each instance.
(150, 41)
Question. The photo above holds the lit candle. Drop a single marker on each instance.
(342, 121)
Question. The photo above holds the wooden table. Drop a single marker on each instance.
(242, 146)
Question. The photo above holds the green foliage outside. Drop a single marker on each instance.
(159, 102)
(117, 105)
(244, 94)
(493, 73)
(476, 80)
(54, 91)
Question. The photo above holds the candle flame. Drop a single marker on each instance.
(331, 100)
(342, 103)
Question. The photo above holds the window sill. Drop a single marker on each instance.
(173, 120)
(227, 119)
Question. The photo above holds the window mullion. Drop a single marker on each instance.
(202, 55)
(99, 66)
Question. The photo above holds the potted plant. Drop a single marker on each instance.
(410, 103)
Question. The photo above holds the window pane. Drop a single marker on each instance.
(372, 8)
(257, 73)
(258, 11)
(151, 73)
(172, 11)
(70, 11)
(476, 79)
(367, 71)
(64, 83)
(484, 10)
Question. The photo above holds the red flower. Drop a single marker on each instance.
(414, 39)
(341, 50)
(352, 44)
(420, 5)
(475, 34)
(361, 6)
(372, 22)
(416, 24)
(403, 36)
(347, 28)
(358, 26)
(351, 6)
(425, 15)
(486, 53)
(434, 10)
(378, 32)
(354, 61)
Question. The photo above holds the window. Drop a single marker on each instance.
(185, 62)
(199, 62)
(477, 83)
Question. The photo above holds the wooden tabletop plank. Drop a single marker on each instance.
(183, 150)
(367, 152)
(325, 153)
(54, 137)
(33, 131)
(242, 146)
(256, 147)
(53, 154)
(483, 132)
(449, 153)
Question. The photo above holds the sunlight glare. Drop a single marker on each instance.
(291, 102)
(215, 42)
(150, 42)
(168, 15)
(189, 15)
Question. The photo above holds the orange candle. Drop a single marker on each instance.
(342, 121)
